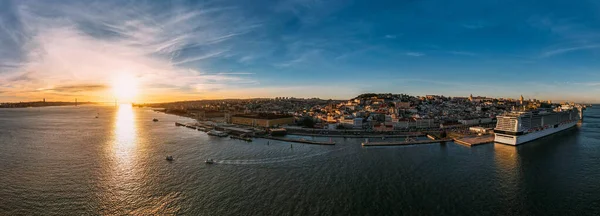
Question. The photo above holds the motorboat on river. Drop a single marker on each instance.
(217, 133)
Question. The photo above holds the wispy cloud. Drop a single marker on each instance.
(391, 36)
(569, 29)
(414, 54)
(574, 35)
(595, 84)
(304, 56)
(78, 88)
(235, 73)
(463, 53)
(246, 59)
(93, 42)
(201, 57)
(568, 49)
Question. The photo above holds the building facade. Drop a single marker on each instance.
(257, 120)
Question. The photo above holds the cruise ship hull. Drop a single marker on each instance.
(520, 139)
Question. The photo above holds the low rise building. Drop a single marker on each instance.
(262, 119)
(383, 127)
(480, 130)
(447, 125)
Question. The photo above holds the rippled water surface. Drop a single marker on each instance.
(63, 161)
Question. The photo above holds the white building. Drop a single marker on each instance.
(358, 122)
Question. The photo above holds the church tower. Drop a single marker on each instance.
(521, 100)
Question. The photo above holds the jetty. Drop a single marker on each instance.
(473, 141)
(409, 142)
(185, 125)
(300, 141)
(247, 139)
(432, 137)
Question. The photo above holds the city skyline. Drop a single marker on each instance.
(142, 51)
(462, 97)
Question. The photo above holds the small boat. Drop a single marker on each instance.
(210, 161)
(170, 158)
(217, 133)
(154, 120)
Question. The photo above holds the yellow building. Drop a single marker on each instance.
(262, 120)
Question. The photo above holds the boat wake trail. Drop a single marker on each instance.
(274, 160)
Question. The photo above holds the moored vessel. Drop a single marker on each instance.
(518, 127)
(277, 132)
(217, 133)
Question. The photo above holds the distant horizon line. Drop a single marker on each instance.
(254, 98)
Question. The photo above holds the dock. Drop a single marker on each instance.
(411, 142)
(473, 141)
(300, 141)
(185, 125)
(247, 139)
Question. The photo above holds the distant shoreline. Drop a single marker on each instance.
(41, 104)
(174, 113)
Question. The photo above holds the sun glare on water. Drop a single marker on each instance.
(124, 88)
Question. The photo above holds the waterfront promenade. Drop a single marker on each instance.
(299, 140)
(412, 142)
(371, 135)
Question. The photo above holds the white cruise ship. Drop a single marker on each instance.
(518, 127)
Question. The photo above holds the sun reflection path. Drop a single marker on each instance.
(125, 132)
(125, 129)
(127, 188)
(122, 186)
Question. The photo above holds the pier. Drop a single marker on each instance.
(411, 142)
(432, 137)
(358, 136)
(185, 125)
(300, 141)
(473, 141)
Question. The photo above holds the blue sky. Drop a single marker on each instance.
(304, 48)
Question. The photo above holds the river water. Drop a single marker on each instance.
(64, 161)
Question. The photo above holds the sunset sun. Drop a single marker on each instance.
(124, 87)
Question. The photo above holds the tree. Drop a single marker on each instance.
(545, 105)
(308, 122)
